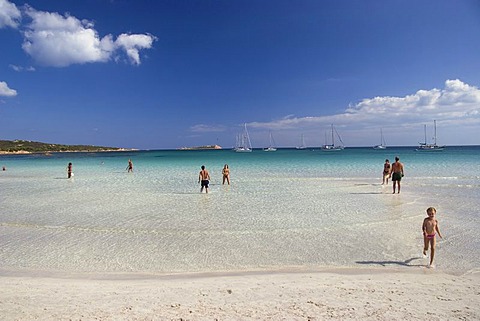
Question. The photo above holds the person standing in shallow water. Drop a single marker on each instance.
(226, 174)
(203, 179)
(397, 174)
(386, 171)
(130, 166)
(69, 170)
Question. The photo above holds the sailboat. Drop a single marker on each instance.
(332, 146)
(425, 147)
(271, 147)
(243, 142)
(302, 143)
(382, 145)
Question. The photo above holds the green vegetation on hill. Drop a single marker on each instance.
(18, 146)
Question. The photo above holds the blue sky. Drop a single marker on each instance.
(167, 74)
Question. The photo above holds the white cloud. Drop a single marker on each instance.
(58, 40)
(6, 91)
(55, 40)
(456, 101)
(20, 68)
(9, 14)
(201, 128)
(133, 43)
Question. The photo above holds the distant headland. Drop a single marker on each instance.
(29, 147)
(201, 147)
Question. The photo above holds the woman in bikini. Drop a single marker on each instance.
(386, 171)
(226, 174)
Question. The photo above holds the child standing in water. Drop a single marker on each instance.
(430, 229)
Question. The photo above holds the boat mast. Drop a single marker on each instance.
(425, 132)
(248, 137)
(333, 142)
(339, 138)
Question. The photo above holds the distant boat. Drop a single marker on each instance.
(243, 142)
(382, 145)
(425, 147)
(271, 147)
(302, 143)
(333, 146)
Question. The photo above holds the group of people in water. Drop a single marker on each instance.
(394, 171)
(204, 177)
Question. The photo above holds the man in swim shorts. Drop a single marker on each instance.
(203, 178)
(397, 174)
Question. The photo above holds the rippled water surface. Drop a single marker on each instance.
(291, 208)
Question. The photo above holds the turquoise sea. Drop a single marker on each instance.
(290, 209)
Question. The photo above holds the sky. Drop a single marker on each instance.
(171, 73)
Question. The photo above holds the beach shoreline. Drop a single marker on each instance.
(145, 275)
(331, 293)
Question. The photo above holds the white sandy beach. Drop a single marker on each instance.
(337, 294)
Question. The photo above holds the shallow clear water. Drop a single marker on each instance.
(290, 208)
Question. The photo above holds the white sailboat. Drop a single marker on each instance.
(302, 143)
(333, 146)
(243, 142)
(426, 147)
(382, 145)
(271, 147)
